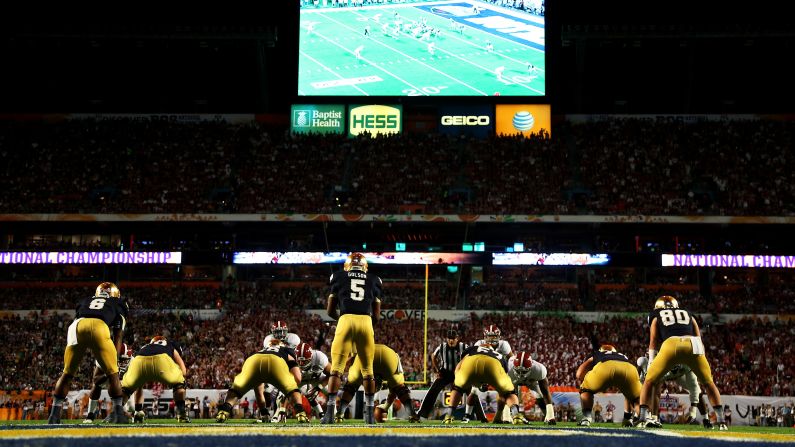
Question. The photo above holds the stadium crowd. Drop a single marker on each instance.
(613, 166)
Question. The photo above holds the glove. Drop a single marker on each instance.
(550, 417)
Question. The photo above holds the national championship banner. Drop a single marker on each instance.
(524, 119)
(473, 120)
(317, 118)
(375, 119)
(729, 261)
(90, 257)
(339, 257)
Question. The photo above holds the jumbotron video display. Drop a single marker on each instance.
(422, 48)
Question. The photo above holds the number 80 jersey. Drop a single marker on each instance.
(672, 322)
(355, 291)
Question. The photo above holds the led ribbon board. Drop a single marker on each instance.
(402, 258)
(90, 257)
(550, 259)
(729, 261)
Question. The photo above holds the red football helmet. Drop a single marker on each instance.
(491, 334)
(126, 351)
(303, 354)
(279, 330)
(522, 361)
(355, 261)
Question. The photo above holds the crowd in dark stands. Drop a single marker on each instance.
(615, 166)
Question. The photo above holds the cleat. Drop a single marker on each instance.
(280, 416)
(654, 424)
(723, 427)
(118, 416)
(338, 419)
(222, 416)
(328, 418)
(519, 419)
(89, 418)
(467, 418)
(139, 417)
(707, 424)
(584, 423)
(448, 420)
(627, 423)
(183, 419)
(55, 417)
(259, 420)
(302, 418)
(369, 415)
(414, 419)
(551, 422)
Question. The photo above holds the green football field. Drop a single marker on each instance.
(401, 58)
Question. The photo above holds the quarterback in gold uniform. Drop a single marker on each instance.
(159, 361)
(607, 368)
(479, 365)
(387, 368)
(275, 365)
(91, 331)
(354, 301)
(675, 333)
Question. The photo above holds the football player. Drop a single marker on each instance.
(479, 365)
(675, 333)
(158, 361)
(386, 367)
(275, 365)
(607, 368)
(91, 331)
(315, 372)
(685, 378)
(280, 335)
(524, 371)
(354, 301)
(491, 337)
(100, 379)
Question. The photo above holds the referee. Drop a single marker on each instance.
(444, 359)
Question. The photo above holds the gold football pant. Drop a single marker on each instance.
(679, 351)
(386, 365)
(479, 368)
(152, 368)
(354, 333)
(613, 373)
(264, 368)
(94, 335)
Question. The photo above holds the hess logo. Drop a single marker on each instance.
(374, 119)
(466, 120)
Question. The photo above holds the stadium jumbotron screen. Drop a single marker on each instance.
(422, 48)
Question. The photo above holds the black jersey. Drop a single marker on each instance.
(489, 352)
(355, 291)
(113, 311)
(158, 347)
(279, 351)
(599, 356)
(673, 322)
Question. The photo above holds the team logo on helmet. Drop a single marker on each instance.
(356, 261)
(279, 330)
(607, 348)
(491, 334)
(303, 354)
(522, 362)
(666, 302)
(107, 290)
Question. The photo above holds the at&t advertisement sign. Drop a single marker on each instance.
(525, 119)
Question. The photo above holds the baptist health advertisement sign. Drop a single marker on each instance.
(457, 120)
(525, 119)
(375, 119)
(325, 118)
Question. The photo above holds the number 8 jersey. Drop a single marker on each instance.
(355, 291)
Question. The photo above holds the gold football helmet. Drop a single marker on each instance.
(356, 261)
(107, 290)
(607, 348)
(666, 302)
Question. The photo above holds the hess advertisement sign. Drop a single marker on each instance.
(525, 119)
(305, 118)
(375, 119)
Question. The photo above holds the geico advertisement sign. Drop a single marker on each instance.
(525, 119)
(374, 119)
(466, 120)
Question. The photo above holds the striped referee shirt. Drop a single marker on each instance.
(449, 356)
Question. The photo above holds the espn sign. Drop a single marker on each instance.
(375, 119)
(466, 120)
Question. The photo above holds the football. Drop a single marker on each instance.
(380, 414)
